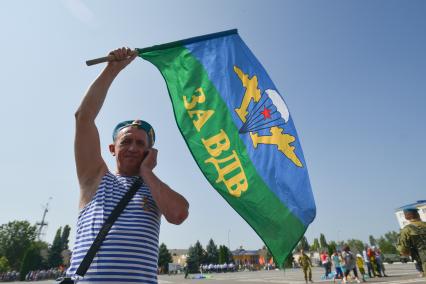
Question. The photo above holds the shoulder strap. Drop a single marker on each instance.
(103, 232)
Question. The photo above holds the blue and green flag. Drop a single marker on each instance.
(240, 133)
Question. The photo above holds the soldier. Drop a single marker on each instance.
(412, 240)
(306, 264)
(186, 270)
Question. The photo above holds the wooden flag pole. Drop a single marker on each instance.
(102, 59)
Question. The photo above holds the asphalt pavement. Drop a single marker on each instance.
(398, 274)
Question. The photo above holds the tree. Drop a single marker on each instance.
(64, 237)
(164, 258)
(332, 247)
(196, 256)
(387, 246)
(303, 244)
(225, 255)
(323, 242)
(212, 252)
(372, 240)
(54, 258)
(15, 238)
(4, 264)
(356, 246)
(32, 260)
(392, 237)
(315, 246)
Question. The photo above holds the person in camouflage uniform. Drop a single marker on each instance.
(306, 264)
(412, 240)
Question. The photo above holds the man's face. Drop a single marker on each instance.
(411, 215)
(130, 148)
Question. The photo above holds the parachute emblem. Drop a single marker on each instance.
(268, 112)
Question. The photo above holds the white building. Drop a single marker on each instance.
(420, 204)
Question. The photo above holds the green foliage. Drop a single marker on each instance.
(32, 259)
(4, 264)
(212, 252)
(225, 255)
(392, 237)
(196, 256)
(372, 240)
(386, 246)
(356, 246)
(386, 243)
(44, 251)
(54, 258)
(15, 238)
(332, 247)
(164, 258)
(323, 242)
(303, 244)
(315, 246)
(64, 237)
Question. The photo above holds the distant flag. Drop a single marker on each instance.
(240, 132)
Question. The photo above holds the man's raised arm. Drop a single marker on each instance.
(89, 163)
(172, 205)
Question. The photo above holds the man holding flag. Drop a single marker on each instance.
(239, 131)
(129, 254)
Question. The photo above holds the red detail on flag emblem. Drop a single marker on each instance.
(266, 113)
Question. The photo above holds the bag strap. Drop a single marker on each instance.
(103, 232)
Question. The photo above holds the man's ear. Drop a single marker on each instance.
(112, 149)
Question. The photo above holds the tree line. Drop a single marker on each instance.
(197, 255)
(21, 251)
(387, 244)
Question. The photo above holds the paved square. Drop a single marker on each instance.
(398, 274)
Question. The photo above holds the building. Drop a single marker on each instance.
(179, 256)
(246, 258)
(420, 204)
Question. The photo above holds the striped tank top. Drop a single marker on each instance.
(129, 253)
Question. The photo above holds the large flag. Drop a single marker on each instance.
(240, 132)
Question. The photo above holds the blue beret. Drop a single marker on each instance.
(410, 210)
(136, 123)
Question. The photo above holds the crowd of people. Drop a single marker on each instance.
(346, 262)
(9, 276)
(36, 275)
(209, 268)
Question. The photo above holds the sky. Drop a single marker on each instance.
(351, 72)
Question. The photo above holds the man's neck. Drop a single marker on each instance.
(128, 173)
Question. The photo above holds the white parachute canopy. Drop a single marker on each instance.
(279, 103)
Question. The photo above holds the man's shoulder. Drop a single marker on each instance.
(404, 236)
(419, 224)
(414, 227)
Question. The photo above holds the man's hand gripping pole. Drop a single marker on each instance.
(108, 58)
